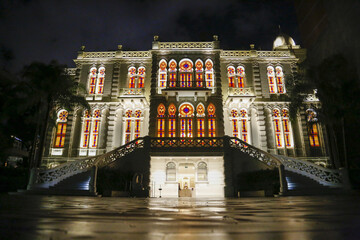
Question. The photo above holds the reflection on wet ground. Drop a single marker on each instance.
(39, 217)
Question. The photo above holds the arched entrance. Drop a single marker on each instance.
(186, 179)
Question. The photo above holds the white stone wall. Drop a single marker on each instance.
(213, 187)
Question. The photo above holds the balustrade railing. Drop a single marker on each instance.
(49, 177)
(186, 84)
(325, 176)
(132, 91)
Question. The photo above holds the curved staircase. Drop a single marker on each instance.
(79, 177)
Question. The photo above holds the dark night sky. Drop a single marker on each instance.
(43, 30)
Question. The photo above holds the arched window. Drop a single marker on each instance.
(172, 120)
(202, 174)
(283, 132)
(170, 171)
(92, 80)
(211, 120)
(186, 111)
(186, 73)
(137, 124)
(278, 128)
(231, 76)
(128, 115)
(141, 77)
(287, 128)
(95, 129)
(271, 78)
(245, 136)
(199, 73)
(162, 74)
(61, 128)
(209, 72)
(161, 121)
(234, 120)
(132, 77)
(86, 129)
(100, 80)
(313, 128)
(200, 113)
(240, 72)
(280, 80)
(172, 73)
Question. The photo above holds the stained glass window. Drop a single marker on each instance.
(231, 76)
(186, 122)
(280, 80)
(199, 73)
(211, 120)
(240, 72)
(286, 127)
(200, 113)
(162, 74)
(92, 80)
(86, 129)
(161, 121)
(313, 128)
(209, 73)
(244, 125)
(172, 73)
(137, 124)
(172, 120)
(95, 129)
(186, 75)
(61, 129)
(271, 79)
(100, 81)
(132, 77)
(141, 77)
(278, 128)
(234, 122)
(128, 115)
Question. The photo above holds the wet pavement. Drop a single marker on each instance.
(42, 217)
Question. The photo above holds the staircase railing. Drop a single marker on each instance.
(324, 176)
(50, 177)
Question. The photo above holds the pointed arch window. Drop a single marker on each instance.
(186, 111)
(161, 121)
(313, 131)
(61, 128)
(231, 76)
(200, 113)
(95, 129)
(172, 120)
(282, 127)
(91, 130)
(100, 80)
(162, 74)
(199, 73)
(141, 77)
(186, 73)
(172, 73)
(245, 136)
(209, 73)
(211, 120)
(86, 129)
(234, 122)
(280, 80)
(92, 80)
(137, 124)
(128, 115)
(132, 77)
(271, 79)
(240, 72)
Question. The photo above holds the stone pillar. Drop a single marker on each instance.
(282, 177)
(228, 168)
(111, 128)
(261, 118)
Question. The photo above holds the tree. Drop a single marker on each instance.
(338, 90)
(43, 87)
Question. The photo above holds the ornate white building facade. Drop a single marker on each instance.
(187, 90)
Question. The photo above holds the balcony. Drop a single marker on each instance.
(186, 89)
(130, 92)
(241, 92)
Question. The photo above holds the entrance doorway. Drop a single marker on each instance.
(186, 173)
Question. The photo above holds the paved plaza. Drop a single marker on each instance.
(55, 217)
